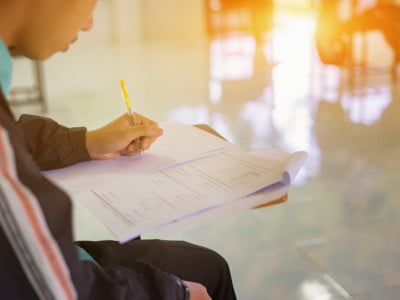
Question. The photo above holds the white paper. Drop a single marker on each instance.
(131, 208)
(188, 175)
(281, 161)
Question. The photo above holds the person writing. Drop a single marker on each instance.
(38, 254)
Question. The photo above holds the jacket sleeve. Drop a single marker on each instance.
(51, 144)
(45, 227)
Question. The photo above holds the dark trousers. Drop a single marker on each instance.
(187, 261)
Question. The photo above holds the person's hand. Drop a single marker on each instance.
(197, 291)
(118, 137)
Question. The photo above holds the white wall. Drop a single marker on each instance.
(149, 20)
(173, 20)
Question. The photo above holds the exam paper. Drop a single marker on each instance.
(128, 209)
(89, 227)
(289, 164)
(173, 185)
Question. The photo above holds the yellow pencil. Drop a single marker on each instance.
(130, 112)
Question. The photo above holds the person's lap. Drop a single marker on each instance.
(187, 261)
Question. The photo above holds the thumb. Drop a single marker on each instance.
(146, 134)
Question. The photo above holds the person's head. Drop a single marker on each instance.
(44, 27)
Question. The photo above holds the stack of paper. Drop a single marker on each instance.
(188, 175)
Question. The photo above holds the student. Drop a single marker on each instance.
(38, 256)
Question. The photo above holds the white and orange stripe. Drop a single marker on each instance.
(23, 222)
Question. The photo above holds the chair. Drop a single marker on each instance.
(334, 36)
(30, 94)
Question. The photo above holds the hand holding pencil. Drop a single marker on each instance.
(129, 134)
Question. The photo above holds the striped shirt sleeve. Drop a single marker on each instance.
(23, 222)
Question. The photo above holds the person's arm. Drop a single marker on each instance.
(140, 281)
(90, 281)
(55, 146)
(51, 144)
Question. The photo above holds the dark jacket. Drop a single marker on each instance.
(39, 143)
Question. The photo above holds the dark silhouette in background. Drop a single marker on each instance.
(334, 35)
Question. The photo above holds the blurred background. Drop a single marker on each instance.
(319, 76)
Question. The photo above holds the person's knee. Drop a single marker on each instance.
(218, 264)
(218, 278)
(210, 263)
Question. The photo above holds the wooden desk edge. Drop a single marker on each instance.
(273, 202)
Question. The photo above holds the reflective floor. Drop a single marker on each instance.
(337, 237)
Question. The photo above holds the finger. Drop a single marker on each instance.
(142, 120)
(147, 142)
(126, 153)
(144, 131)
(133, 147)
(131, 150)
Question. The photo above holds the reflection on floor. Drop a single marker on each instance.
(337, 237)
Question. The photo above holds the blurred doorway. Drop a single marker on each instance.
(255, 17)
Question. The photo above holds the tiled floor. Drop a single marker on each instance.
(337, 237)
